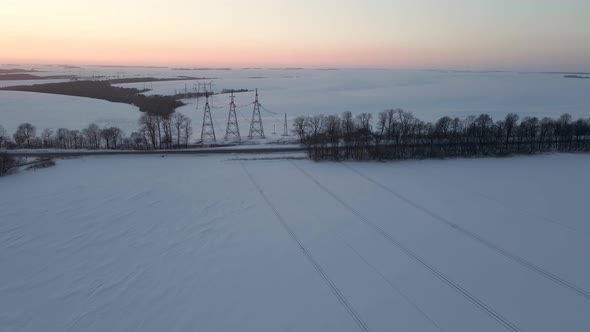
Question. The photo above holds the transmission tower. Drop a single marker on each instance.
(232, 130)
(256, 128)
(285, 130)
(208, 130)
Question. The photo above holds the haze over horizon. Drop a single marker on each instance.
(404, 34)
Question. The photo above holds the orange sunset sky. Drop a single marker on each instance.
(524, 34)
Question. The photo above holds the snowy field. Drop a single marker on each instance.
(186, 243)
(57, 111)
(430, 95)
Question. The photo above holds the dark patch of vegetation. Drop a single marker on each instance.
(10, 164)
(7, 164)
(577, 76)
(23, 77)
(565, 72)
(151, 79)
(234, 90)
(18, 70)
(41, 163)
(399, 135)
(90, 89)
(155, 105)
(126, 66)
(187, 95)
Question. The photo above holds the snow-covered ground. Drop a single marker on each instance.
(428, 94)
(187, 243)
(57, 111)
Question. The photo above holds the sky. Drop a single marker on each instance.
(412, 34)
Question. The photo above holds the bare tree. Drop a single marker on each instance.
(382, 123)
(138, 140)
(3, 136)
(347, 125)
(24, 134)
(364, 122)
(112, 136)
(509, 123)
(187, 130)
(158, 123)
(443, 126)
(47, 138)
(148, 124)
(316, 123)
(178, 120)
(92, 134)
(61, 136)
(300, 124)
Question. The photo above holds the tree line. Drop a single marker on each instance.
(155, 132)
(397, 134)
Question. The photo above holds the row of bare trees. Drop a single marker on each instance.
(397, 134)
(155, 132)
(160, 132)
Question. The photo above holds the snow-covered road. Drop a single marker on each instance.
(205, 243)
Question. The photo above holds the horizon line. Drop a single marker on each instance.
(190, 68)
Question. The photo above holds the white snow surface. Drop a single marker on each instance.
(429, 95)
(207, 243)
(57, 111)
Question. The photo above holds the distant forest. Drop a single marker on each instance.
(397, 134)
(24, 77)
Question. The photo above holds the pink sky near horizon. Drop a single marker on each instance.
(523, 34)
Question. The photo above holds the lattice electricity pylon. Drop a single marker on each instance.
(208, 130)
(256, 128)
(232, 130)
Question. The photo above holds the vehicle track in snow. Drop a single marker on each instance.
(349, 308)
(392, 286)
(529, 213)
(526, 264)
(453, 285)
(507, 205)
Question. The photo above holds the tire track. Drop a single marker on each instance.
(526, 212)
(391, 284)
(349, 308)
(564, 283)
(503, 204)
(470, 297)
